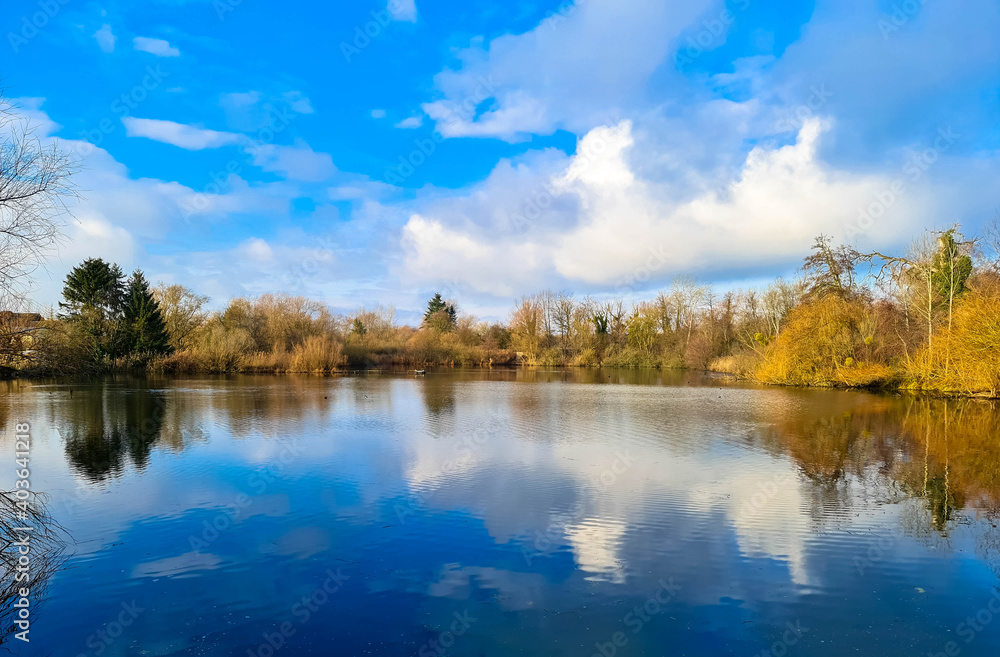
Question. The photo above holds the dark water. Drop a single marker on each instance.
(511, 513)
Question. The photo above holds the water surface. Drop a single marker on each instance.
(511, 513)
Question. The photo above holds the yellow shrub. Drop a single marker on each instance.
(823, 344)
(966, 358)
(317, 354)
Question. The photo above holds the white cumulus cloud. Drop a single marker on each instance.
(158, 47)
(578, 67)
(298, 162)
(188, 137)
(600, 223)
(411, 123)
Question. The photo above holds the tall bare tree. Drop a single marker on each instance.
(991, 242)
(183, 311)
(35, 183)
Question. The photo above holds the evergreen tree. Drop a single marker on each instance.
(435, 305)
(144, 327)
(94, 285)
(94, 294)
(440, 314)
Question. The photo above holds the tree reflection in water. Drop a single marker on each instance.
(943, 451)
(104, 435)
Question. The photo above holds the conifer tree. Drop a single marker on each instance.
(440, 314)
(94, 285)
(144, 326)
(435, 305)
(94, 295)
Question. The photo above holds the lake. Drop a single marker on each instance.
(519, 512)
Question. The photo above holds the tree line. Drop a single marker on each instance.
(926, 318)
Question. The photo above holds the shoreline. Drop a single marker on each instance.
(876, 387)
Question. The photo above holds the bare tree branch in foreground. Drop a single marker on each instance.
(35, 183)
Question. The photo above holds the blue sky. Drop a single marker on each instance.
(363, 152)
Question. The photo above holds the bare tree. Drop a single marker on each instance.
(565, 312)
(831, 268)
(991, 241)
(779, 299)
(183, 311)
(665, 305)
(35, 182)
(527, 325)
(914, 275)
(687, 299)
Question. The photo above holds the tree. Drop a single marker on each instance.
(94, 285)
(642, 328)
(830, 268)
(182, 312)
(564, 312)
(686, 298)
(951, 268)
(441, 315)
(950, 271)
(779, 299)
(614, 311)
(496, 336)
(35, 182)
(526, 323)
(380, 321)
(600, 320)
(914, 276)
(991, 239)
(358, 327)
(94, 296)
(145, 331)
(435, 305)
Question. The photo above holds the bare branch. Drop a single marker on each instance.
(35, 184)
